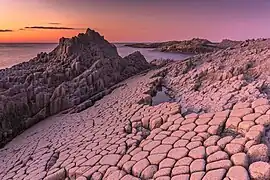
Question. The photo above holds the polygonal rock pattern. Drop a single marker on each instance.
(215, 174)
(240, 159)
(238, 173)
(258, 152)
(121, 137)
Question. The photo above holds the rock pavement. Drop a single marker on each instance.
(105, 127)
(123, 137)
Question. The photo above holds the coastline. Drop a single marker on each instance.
(15, 53)
(90, 114)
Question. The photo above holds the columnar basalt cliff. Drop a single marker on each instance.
(80, 69)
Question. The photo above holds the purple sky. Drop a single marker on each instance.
(137, 20)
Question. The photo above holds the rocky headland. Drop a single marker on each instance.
(193, 46)
(107, 128)
(75, 74)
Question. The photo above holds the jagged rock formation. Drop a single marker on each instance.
(80, 69)
(193, 46)
(216, 81)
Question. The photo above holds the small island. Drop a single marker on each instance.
(193, 46)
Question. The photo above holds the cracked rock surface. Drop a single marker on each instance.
(122, 137)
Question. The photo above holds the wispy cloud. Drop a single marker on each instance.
(6, 30)
(53, 28)
(54, 23)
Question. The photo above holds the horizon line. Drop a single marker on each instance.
(121, 42)
(113, 42)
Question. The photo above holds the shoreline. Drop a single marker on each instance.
(24, 60)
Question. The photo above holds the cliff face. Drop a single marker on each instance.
(78, 69)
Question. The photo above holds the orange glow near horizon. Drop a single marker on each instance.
(133, 21)
(35, 36)
(17, 14)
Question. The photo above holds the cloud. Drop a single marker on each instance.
(54, 23)
(6, 30)
(53, 28)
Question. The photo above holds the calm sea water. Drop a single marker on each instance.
(11, 54)
(149, 54)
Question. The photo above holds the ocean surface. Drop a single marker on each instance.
(11, 54)
(149, 54)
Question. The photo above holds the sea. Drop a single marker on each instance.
(14, 53)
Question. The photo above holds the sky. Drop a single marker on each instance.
(134, 20)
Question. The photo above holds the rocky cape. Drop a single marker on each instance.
(193, 46)
(76, 73)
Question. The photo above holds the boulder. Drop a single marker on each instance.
(259, 170)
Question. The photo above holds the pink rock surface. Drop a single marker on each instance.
(113, 140)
